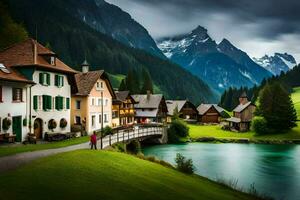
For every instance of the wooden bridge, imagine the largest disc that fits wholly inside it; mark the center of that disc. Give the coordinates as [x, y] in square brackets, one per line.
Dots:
[137, 132]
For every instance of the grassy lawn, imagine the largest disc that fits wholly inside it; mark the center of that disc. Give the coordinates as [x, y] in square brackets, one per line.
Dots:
[296, 100]
[11, 150]
[197, 131]
[102, 175]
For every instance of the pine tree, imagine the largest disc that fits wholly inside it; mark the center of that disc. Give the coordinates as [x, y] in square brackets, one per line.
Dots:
[147, 85]
[123, 86]
[276, 106]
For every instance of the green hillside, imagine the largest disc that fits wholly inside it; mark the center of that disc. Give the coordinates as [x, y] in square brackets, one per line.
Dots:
[106, 175]
[296, 100]
[73, 40]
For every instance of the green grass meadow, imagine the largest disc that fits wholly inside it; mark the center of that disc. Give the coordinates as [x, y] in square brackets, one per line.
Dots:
[104, 175]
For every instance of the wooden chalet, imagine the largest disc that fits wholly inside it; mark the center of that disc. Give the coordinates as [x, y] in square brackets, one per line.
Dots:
[210, 113]
[187, 110]
[242, 115]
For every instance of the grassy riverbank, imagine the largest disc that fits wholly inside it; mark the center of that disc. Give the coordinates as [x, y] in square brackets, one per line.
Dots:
[15, 149]
[197, 131]
[88, 174]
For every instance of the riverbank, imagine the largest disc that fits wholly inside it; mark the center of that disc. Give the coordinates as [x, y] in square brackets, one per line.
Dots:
[214, 133]
[86, 174]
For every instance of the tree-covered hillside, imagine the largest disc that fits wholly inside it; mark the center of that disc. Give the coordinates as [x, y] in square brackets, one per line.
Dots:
[73, 40]
[290, 80]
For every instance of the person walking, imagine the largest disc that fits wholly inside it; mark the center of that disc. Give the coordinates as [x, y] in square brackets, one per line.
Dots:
[94, 140]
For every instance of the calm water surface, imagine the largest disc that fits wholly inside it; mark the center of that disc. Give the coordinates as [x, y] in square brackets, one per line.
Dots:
[274, 169]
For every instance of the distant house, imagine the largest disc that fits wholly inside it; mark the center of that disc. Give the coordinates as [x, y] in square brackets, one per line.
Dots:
[210, 113]
[92, 104]
[150, 108]
[48, 100]
[242, 114]
[187, 110]
[123, 109]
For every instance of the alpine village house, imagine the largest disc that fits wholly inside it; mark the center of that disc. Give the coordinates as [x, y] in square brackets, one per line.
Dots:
[210, 113]
[123, 109]
[47, 99]
[187, 110]
[92, 104]
[242, 115]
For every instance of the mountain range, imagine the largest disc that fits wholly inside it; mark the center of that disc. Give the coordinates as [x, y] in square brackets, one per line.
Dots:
[277, 63]
[221, 65]
[60, 26]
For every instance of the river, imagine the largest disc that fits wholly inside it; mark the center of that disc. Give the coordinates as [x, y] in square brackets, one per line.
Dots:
[274, 169]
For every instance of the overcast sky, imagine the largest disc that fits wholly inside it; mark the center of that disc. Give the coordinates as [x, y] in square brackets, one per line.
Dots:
[257, 27]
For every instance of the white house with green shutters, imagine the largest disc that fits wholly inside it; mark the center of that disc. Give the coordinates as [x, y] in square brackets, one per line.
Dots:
[48, 99]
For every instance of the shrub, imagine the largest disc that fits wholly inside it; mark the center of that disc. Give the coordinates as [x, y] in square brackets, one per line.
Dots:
[260, 126]
[119, 147]
[133, 147]
[107, 131]
[63, 123]
[177, 130]
[184, 165]
[6, 123]
[52, 124]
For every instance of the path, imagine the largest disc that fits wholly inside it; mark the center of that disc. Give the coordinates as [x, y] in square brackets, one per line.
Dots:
[14, 161]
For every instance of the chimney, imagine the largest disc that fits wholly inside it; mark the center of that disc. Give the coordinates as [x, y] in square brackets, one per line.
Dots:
[148, 95]
[243, 98]
[85, 67]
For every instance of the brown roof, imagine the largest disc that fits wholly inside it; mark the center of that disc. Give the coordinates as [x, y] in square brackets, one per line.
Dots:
[86, 81]
[31, 53]
[203, 108]
[123, 95]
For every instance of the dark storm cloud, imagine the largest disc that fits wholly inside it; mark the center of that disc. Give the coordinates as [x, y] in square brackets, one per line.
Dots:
[257, 26]
[278, 16]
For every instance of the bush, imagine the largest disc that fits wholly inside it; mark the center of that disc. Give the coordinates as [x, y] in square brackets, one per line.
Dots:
[6, 123]
[184, 165]
[260, 126]
[119, 147]
[133, 147]
[63, 123]
[107, 131]
[52, 124]
[177, 130]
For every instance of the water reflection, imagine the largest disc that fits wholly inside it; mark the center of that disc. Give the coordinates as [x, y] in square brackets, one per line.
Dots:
[274, 169]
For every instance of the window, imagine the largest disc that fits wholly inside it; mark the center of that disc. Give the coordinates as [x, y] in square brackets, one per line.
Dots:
[37, 102]
[115, 114]
[52, 60]
[93, 120]
[1, 94]
[77, 120]
[44, 79]
[67, 103]
[59, 80]
[100, 119]
[47, 102]
[59, 103]
[93, 102]
[99, 102]
[17, 94]
[106, 102]
[78, 104]
[99, 85]
[105, 118]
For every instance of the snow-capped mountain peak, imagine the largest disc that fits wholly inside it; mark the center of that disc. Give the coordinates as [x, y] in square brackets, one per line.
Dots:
[279, 62]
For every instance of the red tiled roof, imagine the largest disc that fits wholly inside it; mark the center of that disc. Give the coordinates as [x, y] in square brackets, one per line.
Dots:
[27, 54]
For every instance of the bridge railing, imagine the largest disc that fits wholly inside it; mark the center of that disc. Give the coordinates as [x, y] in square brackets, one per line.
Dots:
[124, 135]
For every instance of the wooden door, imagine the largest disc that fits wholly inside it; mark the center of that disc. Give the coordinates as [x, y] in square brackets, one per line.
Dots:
[38, 128]
[17, 128]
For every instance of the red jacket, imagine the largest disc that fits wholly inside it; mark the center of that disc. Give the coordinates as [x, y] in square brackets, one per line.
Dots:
[94, 139]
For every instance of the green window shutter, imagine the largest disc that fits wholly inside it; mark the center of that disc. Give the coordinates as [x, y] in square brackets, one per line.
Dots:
[49, 101]
[56, 80]
[45, 102]
[35, 102]
[41, 75]
[61, 103]
[48, 79]
[62, 81]
[57, 103]
[68, 103]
